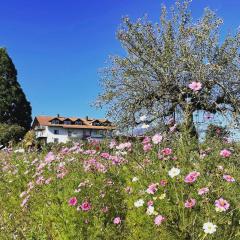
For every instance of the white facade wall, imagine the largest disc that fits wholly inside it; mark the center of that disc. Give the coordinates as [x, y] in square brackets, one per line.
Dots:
[65, 134]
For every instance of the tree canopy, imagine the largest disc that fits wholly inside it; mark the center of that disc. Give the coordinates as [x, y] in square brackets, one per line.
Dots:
[176, 66]
[14, 107]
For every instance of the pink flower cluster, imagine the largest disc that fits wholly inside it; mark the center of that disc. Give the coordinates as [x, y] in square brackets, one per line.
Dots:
[92, 165]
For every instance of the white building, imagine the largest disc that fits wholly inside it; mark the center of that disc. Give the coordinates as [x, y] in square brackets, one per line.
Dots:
[62, 129]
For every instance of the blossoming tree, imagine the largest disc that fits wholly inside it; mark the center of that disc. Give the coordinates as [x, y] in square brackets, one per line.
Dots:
[172, 67]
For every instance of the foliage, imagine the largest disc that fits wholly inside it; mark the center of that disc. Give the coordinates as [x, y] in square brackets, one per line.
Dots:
[14, 107]
[10, 133]
[217, 131]
[172, 68]
[29, 139]
[122, 190]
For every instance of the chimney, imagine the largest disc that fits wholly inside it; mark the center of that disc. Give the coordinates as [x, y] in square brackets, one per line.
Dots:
[87, 118]
[58, 115]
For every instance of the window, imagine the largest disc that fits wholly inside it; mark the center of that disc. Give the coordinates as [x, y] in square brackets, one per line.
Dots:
[78, 122]
[69, 133]
[56, 131]
[101, 132]
[96, 123]
[55, 121]
[67, 122]
[56, 140]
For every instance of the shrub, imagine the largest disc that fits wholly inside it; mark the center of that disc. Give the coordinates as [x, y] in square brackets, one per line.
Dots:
[10, 133]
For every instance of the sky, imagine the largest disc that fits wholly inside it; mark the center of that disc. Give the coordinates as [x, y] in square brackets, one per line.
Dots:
[58, 47]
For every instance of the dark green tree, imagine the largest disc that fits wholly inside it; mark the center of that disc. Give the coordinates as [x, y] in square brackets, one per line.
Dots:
[14, 107]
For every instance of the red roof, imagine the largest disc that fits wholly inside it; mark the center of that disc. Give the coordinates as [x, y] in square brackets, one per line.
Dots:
[87, 122]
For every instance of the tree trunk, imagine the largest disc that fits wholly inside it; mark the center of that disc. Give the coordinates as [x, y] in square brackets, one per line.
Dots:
[188, 123]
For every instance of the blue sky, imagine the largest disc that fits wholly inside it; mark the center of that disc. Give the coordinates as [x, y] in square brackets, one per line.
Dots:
[59, 46]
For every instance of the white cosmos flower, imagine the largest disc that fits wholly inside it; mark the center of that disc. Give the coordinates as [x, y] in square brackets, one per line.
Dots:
[135, 179]
[139, 203]
[20, 150]
[143, 118]
[145, 126]
[174, 172]
[209, 228]
[150, 210]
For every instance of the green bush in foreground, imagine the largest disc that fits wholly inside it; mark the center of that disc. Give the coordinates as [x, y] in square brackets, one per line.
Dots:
[153, 189]
[10, 133]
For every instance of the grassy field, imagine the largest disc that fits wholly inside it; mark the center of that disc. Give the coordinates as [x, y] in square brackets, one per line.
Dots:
[164, 187]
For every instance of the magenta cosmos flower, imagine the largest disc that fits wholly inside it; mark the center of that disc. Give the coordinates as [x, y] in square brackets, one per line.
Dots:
[228, 178]
[159, 219]
[222, 205]
[166, 151]
[72, 201]
[191, 177]
[203, 191]
[225, 153]
[190, 203]
[117, 220]
[195, 86]
[85, 206]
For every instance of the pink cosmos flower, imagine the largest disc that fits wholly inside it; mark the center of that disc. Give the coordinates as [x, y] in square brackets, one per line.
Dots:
[166, 151]
[47, 181]
[191, 177]
[25, 200]
[117, 220]
[85, 206]
[203, 191]
[50, 157]
[65, 150]
[147, 147]
[159, 219]
[146, 140]
[105, 209]
[72, 201]
[190, 203]
[228, 178]
[195, 86]
[225, 153]
[105, 155]
[157, 138]
[152, 188]
[222, 204]
[208, 116]
[112, 144]
[150, 203]
[163, 182]
[40, 180]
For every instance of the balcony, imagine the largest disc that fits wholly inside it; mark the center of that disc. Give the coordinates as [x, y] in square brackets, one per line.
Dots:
[39, 128]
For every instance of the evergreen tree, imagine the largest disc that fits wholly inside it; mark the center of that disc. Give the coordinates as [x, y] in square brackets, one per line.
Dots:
[14, 107]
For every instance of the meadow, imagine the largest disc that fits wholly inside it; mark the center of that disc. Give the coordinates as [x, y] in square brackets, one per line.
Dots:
[158, 187]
